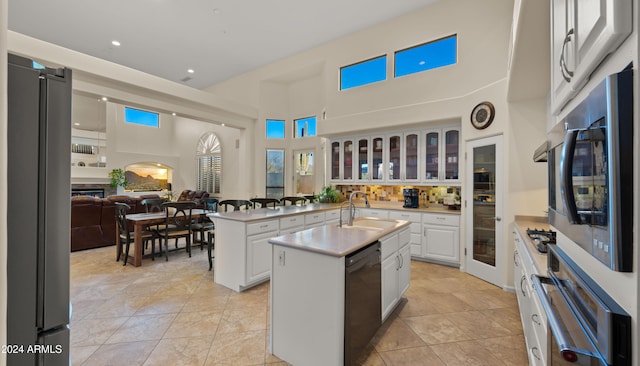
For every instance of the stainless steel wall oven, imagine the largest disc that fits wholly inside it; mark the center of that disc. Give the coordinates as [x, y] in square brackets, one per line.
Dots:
[591, 162]
[586, 326]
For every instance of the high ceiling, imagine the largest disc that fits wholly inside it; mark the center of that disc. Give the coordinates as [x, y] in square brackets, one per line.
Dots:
[217, 39]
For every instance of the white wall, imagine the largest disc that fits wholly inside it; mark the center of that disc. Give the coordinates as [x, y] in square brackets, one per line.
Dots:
[173, 144]
[3, 176]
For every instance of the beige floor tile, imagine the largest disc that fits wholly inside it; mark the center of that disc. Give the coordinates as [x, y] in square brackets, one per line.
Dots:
[395, 334]
[243, 318]
[192, 351]
[118, 306]
[508, 318]
[194, 324]
[142, 328]
[80, 354]
[448, 303]
[435, 329]
[129, 353]
[510, 350]
[411, 356]
[487, 299]
[166, 304]
[206, 301]
[81, 309]
[238, 349]
[465, 354]
[94, 332]
[477, 324]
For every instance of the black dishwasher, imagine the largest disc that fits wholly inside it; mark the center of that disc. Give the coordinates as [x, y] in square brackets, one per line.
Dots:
[362, 308]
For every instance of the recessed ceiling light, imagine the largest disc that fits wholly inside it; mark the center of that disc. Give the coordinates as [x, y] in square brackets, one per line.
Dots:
[104, 99]
[174, 113]
[115, 43]
[191, 71]
[76, 124]
[222, 124]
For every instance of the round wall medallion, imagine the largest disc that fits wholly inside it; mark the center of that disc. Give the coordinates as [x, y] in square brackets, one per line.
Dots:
[482, 115]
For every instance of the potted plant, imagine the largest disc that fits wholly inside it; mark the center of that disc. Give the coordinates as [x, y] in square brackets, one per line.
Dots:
[329, 195]
[118, 178]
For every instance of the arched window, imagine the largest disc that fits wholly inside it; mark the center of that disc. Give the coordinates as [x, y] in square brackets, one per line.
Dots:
[209, 155]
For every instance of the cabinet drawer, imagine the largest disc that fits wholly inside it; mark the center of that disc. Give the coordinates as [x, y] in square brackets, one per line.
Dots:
[388, 245]
[404, 237]
[372, 212]
[408, 216]
[314, 218]
[449, 220]
[332, 215]
[291, 221]
[262, 227]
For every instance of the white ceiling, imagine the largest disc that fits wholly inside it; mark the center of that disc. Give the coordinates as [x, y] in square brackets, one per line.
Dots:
[218, 39]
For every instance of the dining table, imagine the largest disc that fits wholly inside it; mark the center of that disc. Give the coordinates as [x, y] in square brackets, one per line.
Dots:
[140, 221]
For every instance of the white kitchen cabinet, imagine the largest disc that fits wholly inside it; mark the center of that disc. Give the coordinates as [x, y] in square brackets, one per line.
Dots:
[259, 256]
[441, 156]
[363, 159]
[532, 315]
[396, 269]
[291, 224]
[243, 254]
[441, 238]
[416, 229]
[402, 157]
[583, 33]
[372, 212]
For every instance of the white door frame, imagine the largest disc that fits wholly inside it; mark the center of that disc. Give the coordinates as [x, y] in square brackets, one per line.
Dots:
[494, 274]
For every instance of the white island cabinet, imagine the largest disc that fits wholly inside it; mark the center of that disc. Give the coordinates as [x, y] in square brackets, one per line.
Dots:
[308, 287]
[242, 252]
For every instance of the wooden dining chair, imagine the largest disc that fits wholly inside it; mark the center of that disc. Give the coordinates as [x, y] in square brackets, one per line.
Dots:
[178, 221]
[264, 202]
[125, 237]
[236, 204]
[293, 200]
[205, 227]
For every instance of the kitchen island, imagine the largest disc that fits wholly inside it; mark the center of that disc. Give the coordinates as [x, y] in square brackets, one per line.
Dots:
[314, 292]
[242, 253]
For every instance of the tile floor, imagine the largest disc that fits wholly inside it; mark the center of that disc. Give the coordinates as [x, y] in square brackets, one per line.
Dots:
[172, 313]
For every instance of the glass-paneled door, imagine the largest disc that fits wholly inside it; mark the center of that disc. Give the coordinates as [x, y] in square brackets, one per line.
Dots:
[485, 256]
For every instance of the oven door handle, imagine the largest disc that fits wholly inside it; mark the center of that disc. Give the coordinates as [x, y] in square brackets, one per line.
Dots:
[566, 176]
[567, 349]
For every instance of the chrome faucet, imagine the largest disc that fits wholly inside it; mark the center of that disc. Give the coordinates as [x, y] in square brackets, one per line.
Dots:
[352, 207]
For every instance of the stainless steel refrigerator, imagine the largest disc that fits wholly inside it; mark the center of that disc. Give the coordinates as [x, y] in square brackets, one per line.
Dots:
[39, 144]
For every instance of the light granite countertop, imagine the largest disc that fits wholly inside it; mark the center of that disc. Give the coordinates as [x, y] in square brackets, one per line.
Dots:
[521, 224]
[337, 241]
[283, 211]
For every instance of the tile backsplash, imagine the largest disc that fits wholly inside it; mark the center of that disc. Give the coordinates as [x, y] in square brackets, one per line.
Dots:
[428, 194]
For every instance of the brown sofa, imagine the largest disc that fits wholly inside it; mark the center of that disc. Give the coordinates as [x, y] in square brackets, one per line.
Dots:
[93, 222]
[195, 196]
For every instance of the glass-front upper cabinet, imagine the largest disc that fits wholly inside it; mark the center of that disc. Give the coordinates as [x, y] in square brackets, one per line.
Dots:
[394, 153]
[347, 160]
[432, 156]
[451, 154]
[441, 155]
[411, 145]
[363, 160]
[377, 159]
[335, 160]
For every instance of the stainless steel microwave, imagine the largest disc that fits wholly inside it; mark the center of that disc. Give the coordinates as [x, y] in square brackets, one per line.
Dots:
[591, 162]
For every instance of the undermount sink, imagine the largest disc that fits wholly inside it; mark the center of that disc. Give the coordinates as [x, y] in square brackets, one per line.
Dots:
[371, 224]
